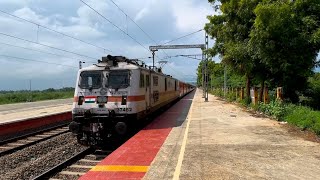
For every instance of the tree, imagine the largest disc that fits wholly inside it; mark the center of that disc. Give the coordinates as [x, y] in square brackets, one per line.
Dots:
[286, 38]
[231, 30]
[217, 75]
[313, 91]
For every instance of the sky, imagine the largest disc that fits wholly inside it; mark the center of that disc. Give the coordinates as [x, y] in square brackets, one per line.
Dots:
[162, 20]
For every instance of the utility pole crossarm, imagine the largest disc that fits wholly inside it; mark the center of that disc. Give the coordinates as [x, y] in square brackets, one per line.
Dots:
[155, 48]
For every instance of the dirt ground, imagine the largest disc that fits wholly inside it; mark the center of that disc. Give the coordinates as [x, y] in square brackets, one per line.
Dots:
[225, 141]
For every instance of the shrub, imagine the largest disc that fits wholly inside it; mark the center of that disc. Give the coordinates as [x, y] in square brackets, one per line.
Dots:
[304, 117]
[275, 109]
[301, 116]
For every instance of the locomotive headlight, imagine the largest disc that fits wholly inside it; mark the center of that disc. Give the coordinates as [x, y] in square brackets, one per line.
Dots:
[124, 100]
[80, 100]
[102, 99]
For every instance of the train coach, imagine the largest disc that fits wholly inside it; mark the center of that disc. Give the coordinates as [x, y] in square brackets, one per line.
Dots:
[116, 93]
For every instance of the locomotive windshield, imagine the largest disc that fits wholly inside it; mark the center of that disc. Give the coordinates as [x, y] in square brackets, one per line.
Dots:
[90, 80]
[118, 79]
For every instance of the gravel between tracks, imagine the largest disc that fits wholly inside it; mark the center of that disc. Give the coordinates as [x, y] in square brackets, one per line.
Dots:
[32, 161]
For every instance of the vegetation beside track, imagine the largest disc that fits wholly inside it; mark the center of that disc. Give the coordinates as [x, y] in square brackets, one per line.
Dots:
[9, 97]
[259, 51]
[301, 116]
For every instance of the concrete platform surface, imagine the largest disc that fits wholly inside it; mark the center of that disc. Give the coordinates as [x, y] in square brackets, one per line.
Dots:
[219, 140]
[132, 159]
[20, 111]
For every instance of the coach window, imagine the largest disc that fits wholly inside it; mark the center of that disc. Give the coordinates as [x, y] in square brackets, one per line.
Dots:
[165, 84]
[141, 80]
[175, 85]
[148, 80]
[155, 80]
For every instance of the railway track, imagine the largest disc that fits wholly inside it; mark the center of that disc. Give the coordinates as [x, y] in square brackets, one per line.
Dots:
[17, 143]
[75, 166]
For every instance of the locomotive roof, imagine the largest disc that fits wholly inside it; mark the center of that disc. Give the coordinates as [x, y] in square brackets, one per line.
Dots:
[103, 65]
[120, 63]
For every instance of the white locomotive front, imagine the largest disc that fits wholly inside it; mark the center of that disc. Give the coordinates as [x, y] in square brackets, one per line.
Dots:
[115, 93]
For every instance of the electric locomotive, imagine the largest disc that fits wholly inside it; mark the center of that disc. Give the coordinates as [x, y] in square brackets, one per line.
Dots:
[115, 93]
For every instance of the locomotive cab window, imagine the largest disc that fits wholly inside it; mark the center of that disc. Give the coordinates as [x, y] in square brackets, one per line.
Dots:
[118, 79]
[90, 80]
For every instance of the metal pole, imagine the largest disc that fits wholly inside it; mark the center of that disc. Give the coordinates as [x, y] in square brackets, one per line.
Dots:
[225, 81]
[30, 90]
[153, 59]
[203, 78]
[206, 68]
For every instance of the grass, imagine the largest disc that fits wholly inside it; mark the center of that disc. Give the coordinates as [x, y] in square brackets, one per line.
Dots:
[303, 117]
[9, 97]
[300, 116]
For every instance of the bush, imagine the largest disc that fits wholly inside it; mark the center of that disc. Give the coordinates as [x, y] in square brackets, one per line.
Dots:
[230, 96]
[301, 116]
[217, 92]
[304, 118]
[275, 109]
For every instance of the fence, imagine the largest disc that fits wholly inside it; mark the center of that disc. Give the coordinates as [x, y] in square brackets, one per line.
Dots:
[238, 94]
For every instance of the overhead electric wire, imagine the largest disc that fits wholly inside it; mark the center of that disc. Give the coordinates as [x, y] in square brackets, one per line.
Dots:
[30, 49]
[8, 35]
[138, 26]
[183, 37]
[134, 23]
[58, 32]
[181, 73]
[192, 58]
[173, 71]
[143, 58]
[115, 25]
[183, 55]
[25, 59]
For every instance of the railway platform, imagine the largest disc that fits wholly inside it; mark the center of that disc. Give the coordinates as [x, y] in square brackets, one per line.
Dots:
[21, 111]
[28, 116]
[211, 140]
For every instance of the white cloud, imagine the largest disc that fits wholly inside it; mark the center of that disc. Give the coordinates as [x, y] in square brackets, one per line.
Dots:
[88, 17]
[189, 15]
[162, 19]
[142, 13]
[28, 14]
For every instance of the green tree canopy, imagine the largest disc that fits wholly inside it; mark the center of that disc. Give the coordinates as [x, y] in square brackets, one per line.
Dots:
[268, 40]
[231, 30]
[285, 39]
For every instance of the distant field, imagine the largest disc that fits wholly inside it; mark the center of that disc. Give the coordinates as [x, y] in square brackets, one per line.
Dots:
[9, 97]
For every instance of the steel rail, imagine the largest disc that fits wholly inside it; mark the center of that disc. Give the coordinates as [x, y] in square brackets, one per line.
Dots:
[61, 166]
[14, 149]
[42, 130]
